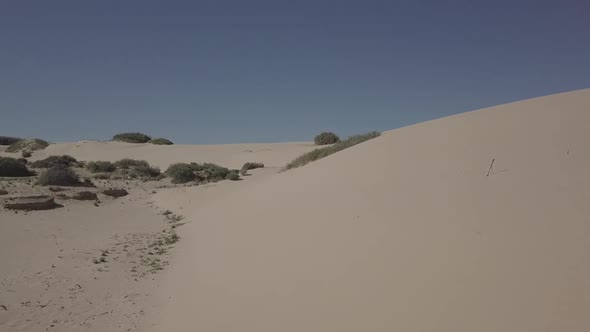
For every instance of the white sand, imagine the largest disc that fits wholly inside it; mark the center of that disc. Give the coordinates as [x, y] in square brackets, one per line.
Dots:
[405, 232]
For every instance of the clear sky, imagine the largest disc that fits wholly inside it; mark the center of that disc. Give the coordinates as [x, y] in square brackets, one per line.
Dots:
[269, 71]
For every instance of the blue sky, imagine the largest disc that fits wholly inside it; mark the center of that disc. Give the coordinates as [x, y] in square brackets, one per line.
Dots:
[270, 71]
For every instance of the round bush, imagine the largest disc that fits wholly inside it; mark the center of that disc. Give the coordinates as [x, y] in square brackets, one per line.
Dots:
[233, 176]
[181, 173]
[326, 138]
[58, 176]
[4, 140]
[10, 167]
[161, 141]
[132, 138]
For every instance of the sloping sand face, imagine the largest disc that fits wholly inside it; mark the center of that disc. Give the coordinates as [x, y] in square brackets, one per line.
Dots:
[414, 231]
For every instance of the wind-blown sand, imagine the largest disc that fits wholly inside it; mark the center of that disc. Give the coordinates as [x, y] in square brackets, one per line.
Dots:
[411, 231]
[403, 233]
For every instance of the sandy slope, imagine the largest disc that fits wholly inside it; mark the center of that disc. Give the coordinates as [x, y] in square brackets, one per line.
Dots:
[402, 233]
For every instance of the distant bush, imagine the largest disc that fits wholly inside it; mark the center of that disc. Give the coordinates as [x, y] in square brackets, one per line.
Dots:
[181, 173]
[326, 138]
[51, 161]
[324, 152]
[132, 138]
[202, 173]
[131, 168]
[232, 176]
[27, 144]
[100, 167]
[4, 140]
[58, 175]
[249, 166]
[10, 167]
[161, 141]
[26, 154]
[102, 176]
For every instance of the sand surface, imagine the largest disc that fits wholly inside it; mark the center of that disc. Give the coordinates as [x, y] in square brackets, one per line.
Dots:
[474, 222]
[406, 232]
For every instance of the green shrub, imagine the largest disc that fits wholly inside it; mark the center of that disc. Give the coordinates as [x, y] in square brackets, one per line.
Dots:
[249, 166]
[233, 176]
[26, 154]
[100, 167]
[58, 175]
[212, 173]
[27, 144]
[51, 161]
[326, 138]
[10, 167]
[102, 176]
[181, 173]
[132, 138]
[161, 141]
[131, 168]
[324, 152]
[4, 140]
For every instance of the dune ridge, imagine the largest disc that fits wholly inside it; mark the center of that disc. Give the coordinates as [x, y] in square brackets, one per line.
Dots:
[411, 231]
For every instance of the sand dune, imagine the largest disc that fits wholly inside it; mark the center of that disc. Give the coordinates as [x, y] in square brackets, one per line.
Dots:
[406, 232]
[228, 155]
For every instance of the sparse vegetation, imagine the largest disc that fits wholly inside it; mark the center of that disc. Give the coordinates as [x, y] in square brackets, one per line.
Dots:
[51, 161]
[161, 141]
[202, 173]
[326, 151]
[132, 138]
[100, 167]
[232, 176]
[181, 173]
[11, 167]
[134, 169]
[58, 175]
[5, 140]
[326, 138]
[26, 154]
[249, 166]
[27, 144]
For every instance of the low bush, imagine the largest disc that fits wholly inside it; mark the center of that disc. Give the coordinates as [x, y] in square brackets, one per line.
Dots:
[233, 176]
[27, 144]
[59, 175]
[4, 140]
[181, 173]
[132, 138]
[51, 161]
[324, 152]
[326, 138]
[11, 167]
[249, 166]
[133, 169]
[26, 154]
[161, 141]
[100, 167]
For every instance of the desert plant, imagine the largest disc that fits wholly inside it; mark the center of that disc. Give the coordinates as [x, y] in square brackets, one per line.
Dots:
[249, 166]
[232, 176]
[102, 176]
[26, 154]
[51, 161]
[27, 144]
[181, 173]
[132, 138]
[132, 168]
[4, 140]
[212, 173]
[324, 152]
[326, 138]
[11, 167]
[100, 167]
[160, 141]
[58, 175]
